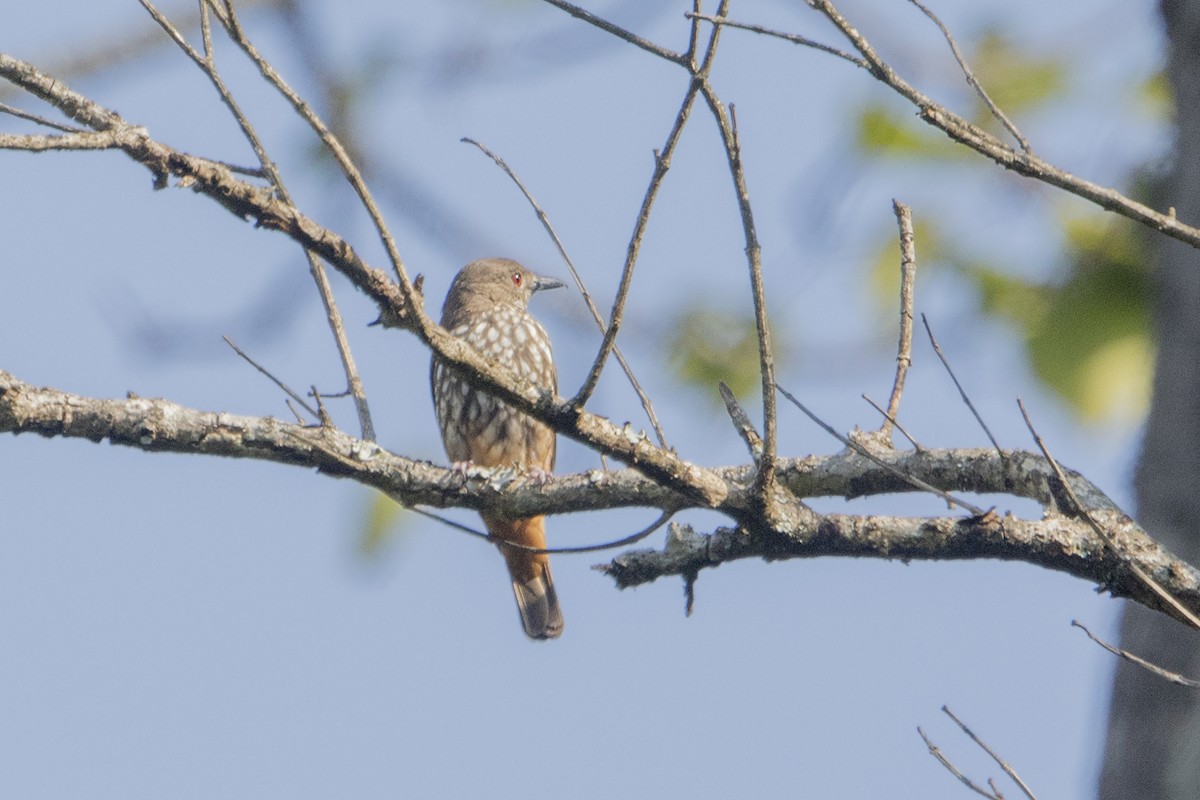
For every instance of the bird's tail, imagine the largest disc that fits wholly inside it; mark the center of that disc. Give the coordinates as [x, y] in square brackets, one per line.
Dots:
[532, 585]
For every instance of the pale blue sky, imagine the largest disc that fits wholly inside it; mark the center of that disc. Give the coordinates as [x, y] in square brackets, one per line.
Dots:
[188, 627]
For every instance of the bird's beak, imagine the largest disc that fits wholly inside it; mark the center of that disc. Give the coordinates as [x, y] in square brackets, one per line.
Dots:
[540, 283]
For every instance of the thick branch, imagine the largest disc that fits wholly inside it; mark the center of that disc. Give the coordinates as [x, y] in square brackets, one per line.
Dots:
[1055, 542]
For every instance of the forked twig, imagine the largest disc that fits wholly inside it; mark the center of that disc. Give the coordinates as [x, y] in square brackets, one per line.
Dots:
[937, 753]
[961, 391]
[1004, 765]
[1183, 613]
[587, 297]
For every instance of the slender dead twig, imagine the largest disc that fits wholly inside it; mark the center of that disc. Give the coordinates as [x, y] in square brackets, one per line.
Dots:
[937, 753]
[619, 32]
[741, 421]
[662, 162]
[207, 64]
[803, 41]
[1165, 674]
[587, 297]
[908, 274]
[287, 389]
[961, 391]
[5, 108]
[662, 519]
[1181, 613]
[971, 79]
[727, 126]
[1004, 765]
[895, 422]
[865, 453]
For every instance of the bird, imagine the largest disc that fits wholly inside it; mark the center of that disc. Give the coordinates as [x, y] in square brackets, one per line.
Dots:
[488, 307]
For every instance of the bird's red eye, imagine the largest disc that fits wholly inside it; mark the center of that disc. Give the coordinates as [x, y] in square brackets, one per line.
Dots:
[517, 279]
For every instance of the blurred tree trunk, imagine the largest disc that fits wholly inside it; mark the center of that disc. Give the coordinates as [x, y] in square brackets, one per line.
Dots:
[1153, 750]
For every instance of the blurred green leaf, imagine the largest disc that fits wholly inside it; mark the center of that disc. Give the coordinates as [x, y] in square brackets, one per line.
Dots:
[1154, 96]
[379, 524]
[1093, 344]
[1088, 338]
[1016, 81]
[884, 132]
[710, 344]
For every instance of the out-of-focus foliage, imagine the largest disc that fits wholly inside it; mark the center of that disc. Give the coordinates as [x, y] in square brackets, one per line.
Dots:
[882, 130]
[709, 344]
[1015, 81]
[379, 525]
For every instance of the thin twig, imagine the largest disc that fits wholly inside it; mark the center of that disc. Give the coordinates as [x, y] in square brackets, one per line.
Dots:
[662, 162]
[895, 422]
[741, 421]
[1184, 614]
[864, 452]
[936, 752]
[287, 389]
[962, 392]
[1004, 765]
[207, 64]
[908, 274]
[587, 297]
[592, 548]
[727, 126]
[619, 32]
[5, 108]
[970, 76]
[1165, 674]
[803, 41]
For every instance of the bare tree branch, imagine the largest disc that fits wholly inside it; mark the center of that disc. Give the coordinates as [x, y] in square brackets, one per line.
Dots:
[982, 142]
[333, 317]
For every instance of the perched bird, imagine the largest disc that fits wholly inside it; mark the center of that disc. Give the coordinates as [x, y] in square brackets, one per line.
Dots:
[487, 306]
